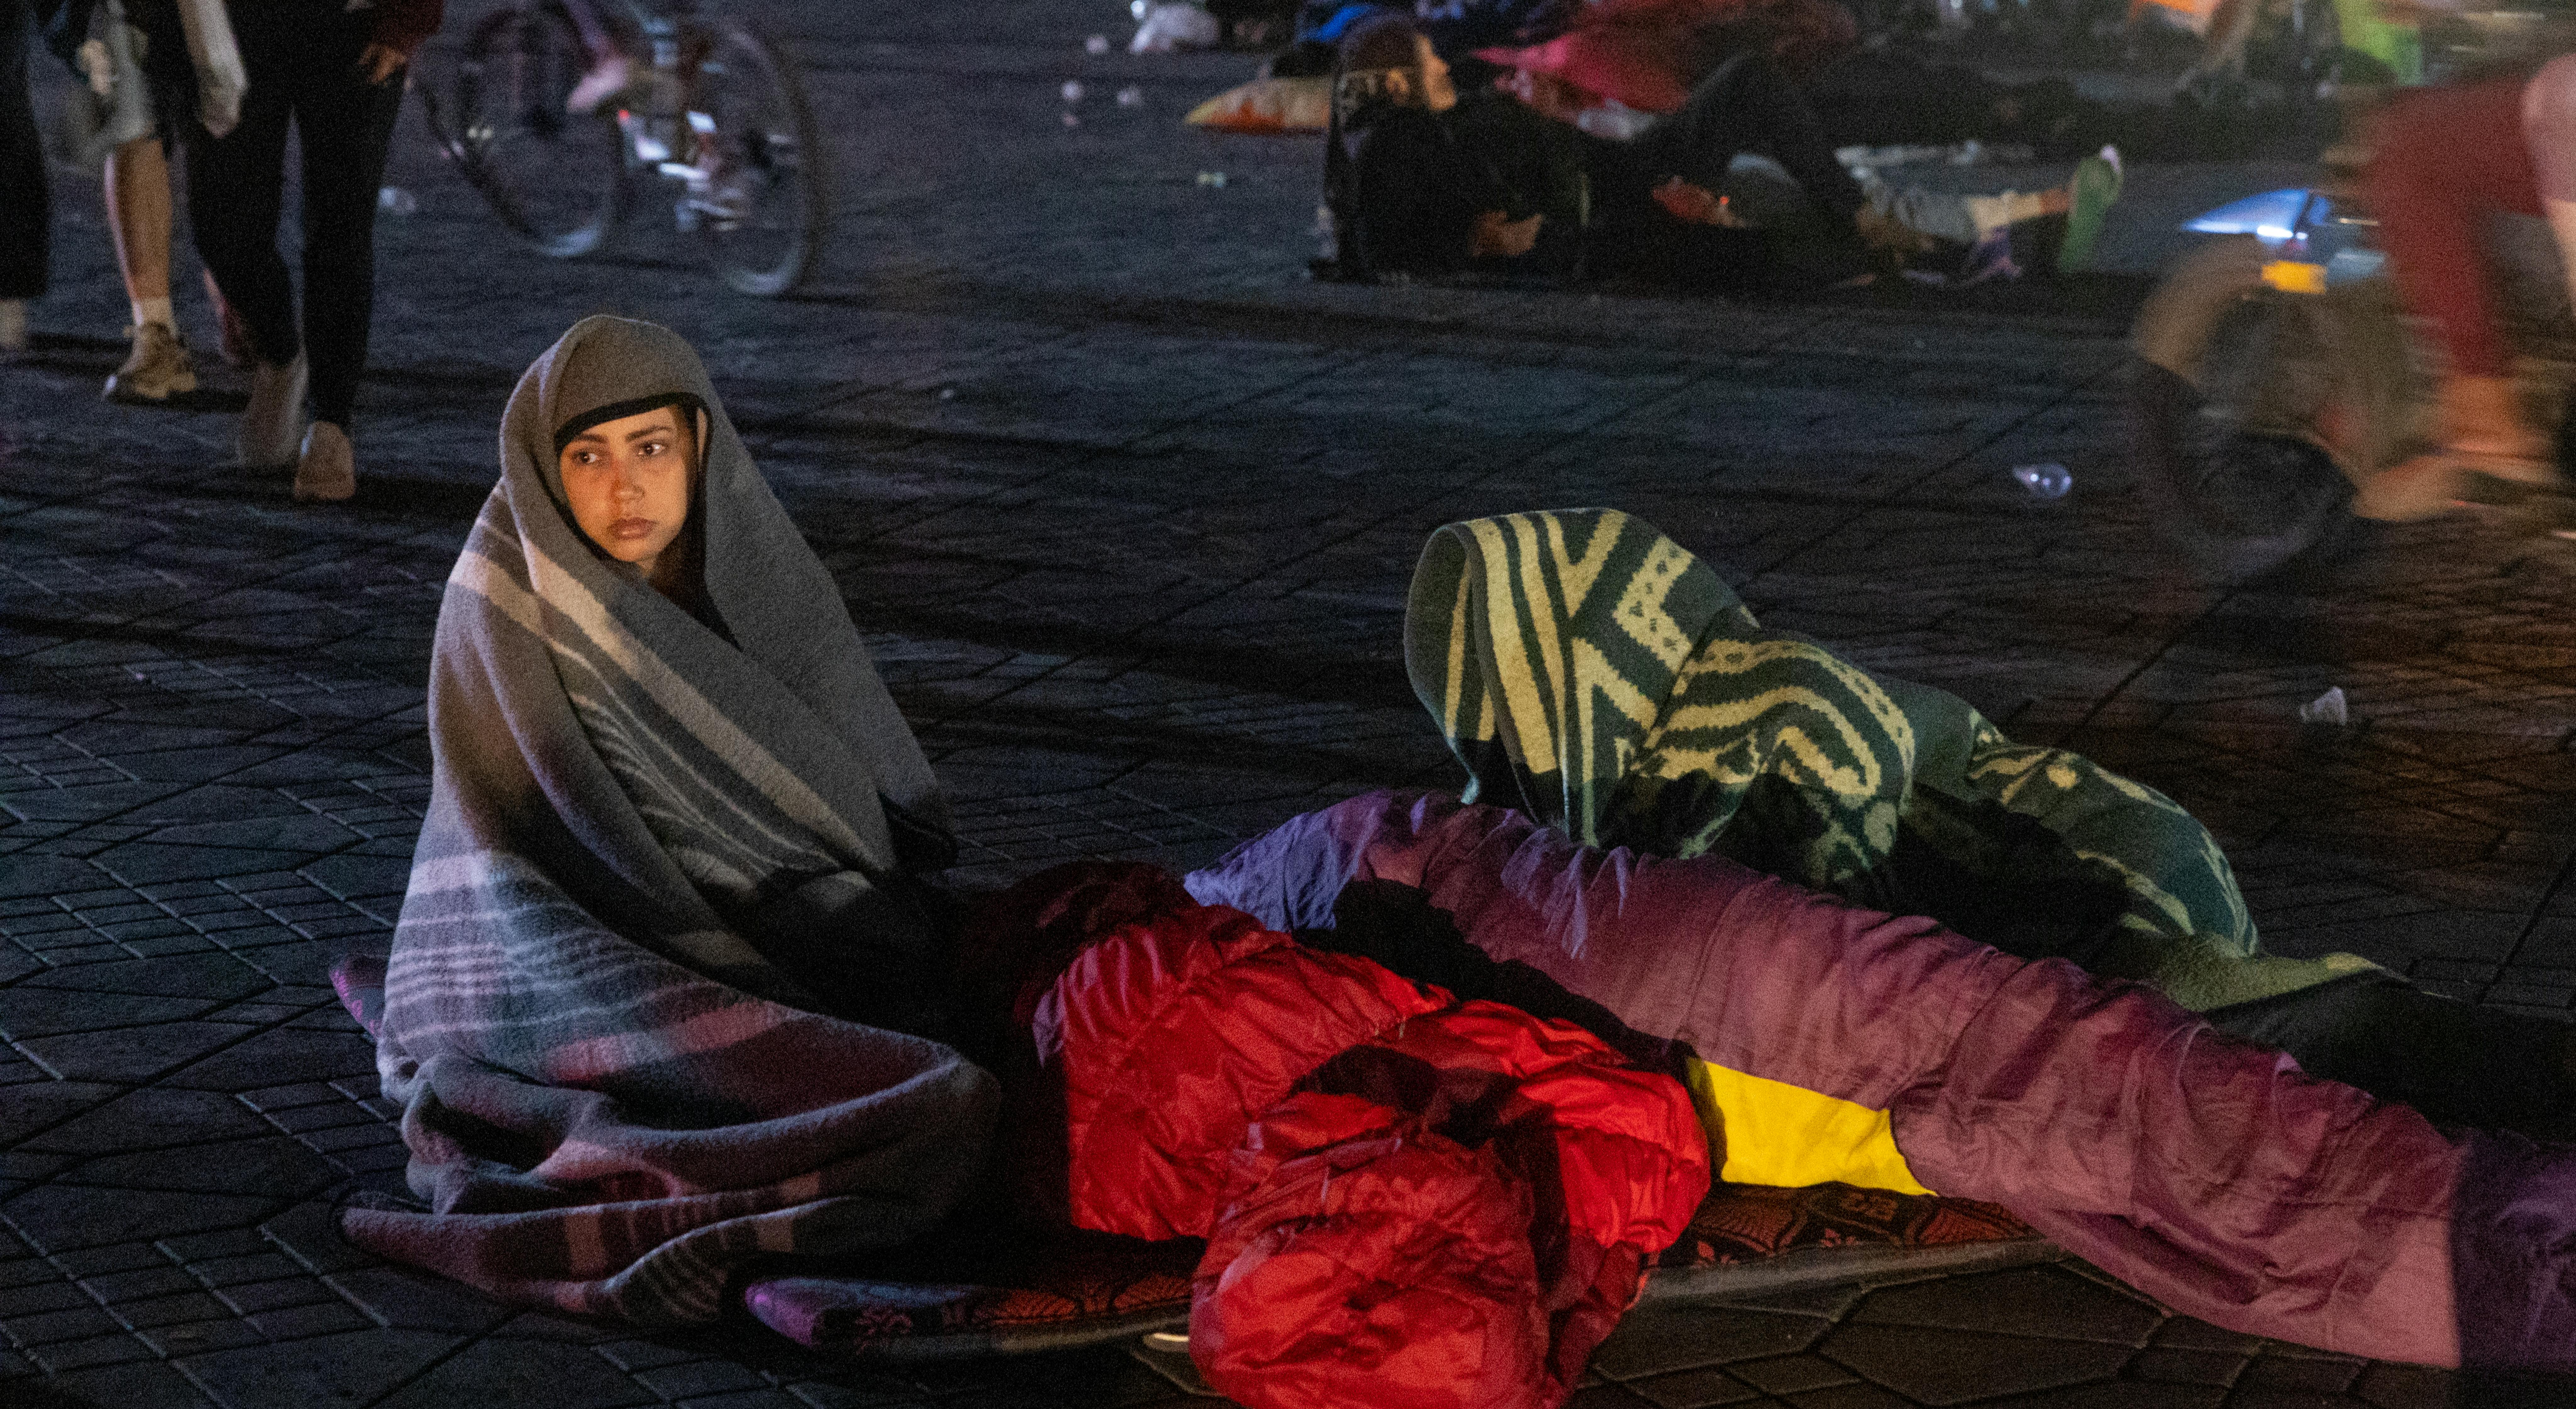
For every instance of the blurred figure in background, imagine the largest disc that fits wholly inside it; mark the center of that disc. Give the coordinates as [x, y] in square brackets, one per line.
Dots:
[144, 64]
[26, 214]
[335, 73]
[2444, 161]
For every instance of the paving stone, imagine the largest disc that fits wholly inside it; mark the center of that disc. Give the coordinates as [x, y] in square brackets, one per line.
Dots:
[32, 1107]
[296, 1322]
[46, 876]
[110, 1257]
[222, 1332]
[1789, 1374]
[2392, 1386]
[259, 1061]
[205, 977]
[147, 1385]
[1953, 1368]
[116, 1348]
[2279, 1372]
[2041, 1301]
[2120, 1394]
[58, 1217]
[131, 1055]
[119, 1288]
[700, 1377]
[37, 1298]
[30, 1012]
[2190, 1367]
[1851, 1396]
[155, 1117]
[412, 1300]
[1653, 1340]
[355, 1366]
[522, 1371]
[1693, 1388]
[184, 1309]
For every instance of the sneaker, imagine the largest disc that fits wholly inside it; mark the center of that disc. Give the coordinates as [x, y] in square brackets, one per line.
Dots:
[156, 370]
[273, 424]
[328, 471]
[2096, 185]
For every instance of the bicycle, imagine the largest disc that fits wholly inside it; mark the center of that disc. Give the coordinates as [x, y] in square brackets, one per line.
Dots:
[711, 106]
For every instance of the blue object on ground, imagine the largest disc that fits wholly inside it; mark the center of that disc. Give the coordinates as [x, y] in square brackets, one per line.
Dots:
[2272, 217]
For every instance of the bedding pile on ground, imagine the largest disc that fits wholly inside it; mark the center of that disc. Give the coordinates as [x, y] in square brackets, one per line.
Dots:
[1406, 1199]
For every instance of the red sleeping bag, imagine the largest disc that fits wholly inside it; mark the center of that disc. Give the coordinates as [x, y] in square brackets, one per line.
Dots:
[1408, 1200]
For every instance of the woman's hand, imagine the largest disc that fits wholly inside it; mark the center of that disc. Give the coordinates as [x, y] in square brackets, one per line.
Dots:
[378, 63]
[1497, 238]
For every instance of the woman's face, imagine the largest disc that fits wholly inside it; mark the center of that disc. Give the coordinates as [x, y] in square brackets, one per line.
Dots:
[629, 481]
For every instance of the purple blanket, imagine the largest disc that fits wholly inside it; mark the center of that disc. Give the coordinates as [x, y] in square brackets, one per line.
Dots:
[2207, 1172]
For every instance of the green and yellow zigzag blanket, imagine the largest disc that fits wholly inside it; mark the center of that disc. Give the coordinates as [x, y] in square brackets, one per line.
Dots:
[1589, 671]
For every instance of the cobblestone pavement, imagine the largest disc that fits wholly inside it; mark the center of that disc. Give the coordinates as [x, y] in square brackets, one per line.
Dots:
[1128, 509]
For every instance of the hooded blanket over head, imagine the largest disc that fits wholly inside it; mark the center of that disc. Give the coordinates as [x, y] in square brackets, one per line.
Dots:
[656, 996]
[1594, 674]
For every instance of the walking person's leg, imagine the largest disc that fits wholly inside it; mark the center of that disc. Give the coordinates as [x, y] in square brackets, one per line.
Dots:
[236, 186]
[26, 217]
[343, 126]
[2444, 160]
[138, 215]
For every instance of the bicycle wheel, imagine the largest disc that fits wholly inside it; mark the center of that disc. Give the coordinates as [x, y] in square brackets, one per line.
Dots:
[2225, 482]
[762, 196]
[556, 179]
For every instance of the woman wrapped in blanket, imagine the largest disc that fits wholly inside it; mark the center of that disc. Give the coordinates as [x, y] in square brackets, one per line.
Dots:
[1655, 751]
[665, 991]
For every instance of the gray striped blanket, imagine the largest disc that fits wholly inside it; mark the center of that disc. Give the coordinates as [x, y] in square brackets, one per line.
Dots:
[658, 996]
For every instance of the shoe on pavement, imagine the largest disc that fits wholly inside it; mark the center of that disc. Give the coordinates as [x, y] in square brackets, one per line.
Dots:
[2096, 185]
[156, 370]
[328, 471]
[273, 424]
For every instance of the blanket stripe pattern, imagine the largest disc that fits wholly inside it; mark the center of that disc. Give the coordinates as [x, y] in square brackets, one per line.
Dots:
[1593, 673]
[649, 844]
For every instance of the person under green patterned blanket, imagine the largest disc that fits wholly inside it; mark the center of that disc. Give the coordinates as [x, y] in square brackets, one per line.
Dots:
[1591, 672]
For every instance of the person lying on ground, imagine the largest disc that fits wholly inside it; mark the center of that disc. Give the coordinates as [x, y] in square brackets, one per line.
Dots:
[668, 984]
[1826, 1041]
[2445, 161]
[1442, 181]
[1635, 702]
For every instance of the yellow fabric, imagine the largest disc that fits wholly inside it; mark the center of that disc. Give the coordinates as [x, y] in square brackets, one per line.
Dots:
[1770, 1132]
